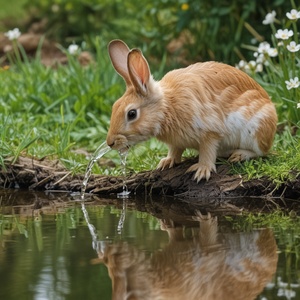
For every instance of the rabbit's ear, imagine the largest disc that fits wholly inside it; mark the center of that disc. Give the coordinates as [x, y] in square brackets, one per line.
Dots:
[139, 71]
[118, 52]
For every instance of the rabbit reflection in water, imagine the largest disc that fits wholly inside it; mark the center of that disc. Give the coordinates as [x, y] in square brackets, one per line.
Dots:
[207, 265]
[211, 107]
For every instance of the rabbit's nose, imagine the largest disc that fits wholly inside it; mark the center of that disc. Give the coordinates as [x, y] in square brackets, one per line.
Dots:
[110, 140]
[110, 143]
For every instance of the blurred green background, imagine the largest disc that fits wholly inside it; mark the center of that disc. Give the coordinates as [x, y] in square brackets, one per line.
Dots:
[190, 30]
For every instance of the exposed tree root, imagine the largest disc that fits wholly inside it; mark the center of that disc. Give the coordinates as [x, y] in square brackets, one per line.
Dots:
[50, 175]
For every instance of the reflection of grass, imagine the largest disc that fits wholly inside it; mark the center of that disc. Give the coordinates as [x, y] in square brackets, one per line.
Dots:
[68, 218]
[11, 223]
[275, 220]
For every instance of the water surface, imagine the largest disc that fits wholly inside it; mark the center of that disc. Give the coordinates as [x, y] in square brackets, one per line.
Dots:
[52, 248]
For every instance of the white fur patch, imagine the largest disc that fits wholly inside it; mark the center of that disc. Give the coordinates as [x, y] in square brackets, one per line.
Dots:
[241, 132]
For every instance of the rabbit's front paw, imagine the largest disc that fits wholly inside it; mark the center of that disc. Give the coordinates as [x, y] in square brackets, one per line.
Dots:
[165, 163]
[202, 171]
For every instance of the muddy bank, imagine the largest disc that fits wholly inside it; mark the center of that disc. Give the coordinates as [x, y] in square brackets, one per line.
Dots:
[27, 173]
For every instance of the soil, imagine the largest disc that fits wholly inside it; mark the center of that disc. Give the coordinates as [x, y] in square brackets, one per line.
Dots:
[232, 192]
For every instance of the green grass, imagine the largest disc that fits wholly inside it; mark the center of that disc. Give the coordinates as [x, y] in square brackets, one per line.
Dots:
[57, 108]
[283, 163]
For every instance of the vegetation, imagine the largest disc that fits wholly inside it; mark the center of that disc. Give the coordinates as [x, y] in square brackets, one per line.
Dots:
[54, 112]
[63, 112]
[194, 30]
[275, 65]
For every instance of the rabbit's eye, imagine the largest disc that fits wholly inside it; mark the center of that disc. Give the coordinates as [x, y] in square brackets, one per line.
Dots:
[132, 114]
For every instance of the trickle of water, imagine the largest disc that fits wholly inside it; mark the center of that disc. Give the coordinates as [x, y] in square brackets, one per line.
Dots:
[100, 151]
[122, 216]
[91, 227]
[97, 245]
[123, 156]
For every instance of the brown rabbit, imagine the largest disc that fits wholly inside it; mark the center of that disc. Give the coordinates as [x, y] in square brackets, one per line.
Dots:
[211, 107]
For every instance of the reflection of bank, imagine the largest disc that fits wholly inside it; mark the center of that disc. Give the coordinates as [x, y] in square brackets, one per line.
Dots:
[198, 263]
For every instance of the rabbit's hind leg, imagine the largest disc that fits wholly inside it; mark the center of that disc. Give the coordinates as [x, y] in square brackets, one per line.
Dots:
[241, 155]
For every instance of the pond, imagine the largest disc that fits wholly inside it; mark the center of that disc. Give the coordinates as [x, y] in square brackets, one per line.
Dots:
[52, 247]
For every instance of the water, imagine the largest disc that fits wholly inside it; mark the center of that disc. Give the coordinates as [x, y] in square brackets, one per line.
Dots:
[123, 155]
[69, 250]
[101, 151]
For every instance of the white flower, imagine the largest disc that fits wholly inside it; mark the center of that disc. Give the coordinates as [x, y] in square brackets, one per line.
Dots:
[241, 64]
[269, 18]
[283, 34]
[259, 68]
[253, 66]
[263, 47]
[73, 49]
[13, 34]
[260, 58]
[272, 52]
[298, 105]
[286, 293]
[293, 15]
[293, 83]
[293, 47]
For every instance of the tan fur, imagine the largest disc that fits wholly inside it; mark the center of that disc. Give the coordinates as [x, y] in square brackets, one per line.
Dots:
[211, 107]
[209, 265]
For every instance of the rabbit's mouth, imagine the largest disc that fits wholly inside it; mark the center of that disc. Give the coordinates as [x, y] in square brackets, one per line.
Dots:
[118, 142]
[124, 149]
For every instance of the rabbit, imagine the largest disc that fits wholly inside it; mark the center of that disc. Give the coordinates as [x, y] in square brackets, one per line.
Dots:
[210, 106]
